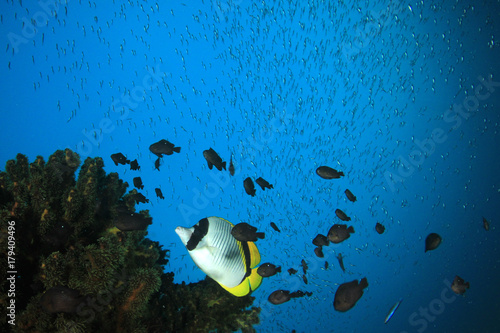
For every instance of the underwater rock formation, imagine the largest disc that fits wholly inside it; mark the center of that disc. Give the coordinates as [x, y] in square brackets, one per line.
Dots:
[77, 272]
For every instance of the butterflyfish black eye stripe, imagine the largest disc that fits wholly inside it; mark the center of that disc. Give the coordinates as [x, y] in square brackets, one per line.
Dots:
[200, 230]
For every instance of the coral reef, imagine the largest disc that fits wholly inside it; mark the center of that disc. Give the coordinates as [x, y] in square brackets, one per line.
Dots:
[83, 262]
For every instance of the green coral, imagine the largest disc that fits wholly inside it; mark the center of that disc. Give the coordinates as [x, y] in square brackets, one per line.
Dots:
[66, 238]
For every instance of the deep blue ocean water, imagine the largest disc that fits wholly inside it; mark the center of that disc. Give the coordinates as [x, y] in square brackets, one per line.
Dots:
[403, 97]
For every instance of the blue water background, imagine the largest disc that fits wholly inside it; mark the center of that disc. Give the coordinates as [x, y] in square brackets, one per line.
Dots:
[284, 87]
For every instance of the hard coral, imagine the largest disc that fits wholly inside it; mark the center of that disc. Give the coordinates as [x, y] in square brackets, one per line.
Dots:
[77, 273]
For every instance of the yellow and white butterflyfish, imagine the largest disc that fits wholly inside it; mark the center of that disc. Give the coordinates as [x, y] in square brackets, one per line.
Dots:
[218, 254]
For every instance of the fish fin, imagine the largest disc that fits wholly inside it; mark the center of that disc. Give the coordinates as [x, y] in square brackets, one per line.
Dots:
[254, 254]
[240, 290]
[350, 229]
[248, 285]
[364, 283]
[177, 149]
[254, 279]
[210, 165]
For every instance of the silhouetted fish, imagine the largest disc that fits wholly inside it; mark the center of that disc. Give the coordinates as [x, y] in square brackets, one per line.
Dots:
[486, 224]
[159, 194]
[350, 196]
[282, 296]
[341, 261]
[432, 242]
[275, 227]
[231, 167]
[341, 215]
[244, 232]
[164, 147]
[348, 294]
[138, 183]
[249, 186]
[380, 228]
[459, 286]
[263, 183]
[119, 158]
[339, 233]
[268, 269]
[134, 165]
[328, 173]
[130, 221]
[214, 159]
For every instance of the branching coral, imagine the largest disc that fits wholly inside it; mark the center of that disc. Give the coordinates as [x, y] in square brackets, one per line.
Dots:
[78, 272]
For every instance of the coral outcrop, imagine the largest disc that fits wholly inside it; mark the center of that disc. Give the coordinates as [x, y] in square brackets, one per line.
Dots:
[82, 262]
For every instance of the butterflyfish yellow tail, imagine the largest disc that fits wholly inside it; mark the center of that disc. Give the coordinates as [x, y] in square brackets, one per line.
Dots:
[254, 254]
[248, 285]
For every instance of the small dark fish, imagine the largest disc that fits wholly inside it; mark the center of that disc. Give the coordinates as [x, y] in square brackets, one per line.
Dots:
[244, 232]
[459, 286]
[341, 261]
[214, 159]
[61, 299]
[138, 183]
[268, 269]
[328, 173]
[159, 194]
[263, 183]
[119, 158]
[348, 294]
[164, 147]
[304, 278]
[231, 167]
[341, 215]
[432, 242]
[318, 251]
[283, 296]
[339, 233]
[130, 221]
[380, 228]
[279, 297]
[350, 196]
[134, 165]
[292, 271]
[486, 224]
[157, 164]
[304, 266]
[139, 198]
[275, 227]
[249, 187]
[321, 240]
